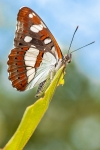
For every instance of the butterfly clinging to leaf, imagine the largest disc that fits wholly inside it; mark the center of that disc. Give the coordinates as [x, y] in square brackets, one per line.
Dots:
[36, 55]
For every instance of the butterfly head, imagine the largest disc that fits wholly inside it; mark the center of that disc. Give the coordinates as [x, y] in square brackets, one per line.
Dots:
[67, 58]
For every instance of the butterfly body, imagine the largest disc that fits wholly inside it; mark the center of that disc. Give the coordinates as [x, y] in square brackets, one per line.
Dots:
[36, 55]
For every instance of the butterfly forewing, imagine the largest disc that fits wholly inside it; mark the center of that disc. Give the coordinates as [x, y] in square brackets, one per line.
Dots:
[33, 43]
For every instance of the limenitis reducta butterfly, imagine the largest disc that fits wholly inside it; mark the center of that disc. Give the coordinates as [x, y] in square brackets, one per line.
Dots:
[36, 54]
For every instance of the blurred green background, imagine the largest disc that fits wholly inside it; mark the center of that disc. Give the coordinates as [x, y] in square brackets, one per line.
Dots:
[72, 121]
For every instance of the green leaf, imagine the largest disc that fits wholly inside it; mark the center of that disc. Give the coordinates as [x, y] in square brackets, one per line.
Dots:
[32, 116]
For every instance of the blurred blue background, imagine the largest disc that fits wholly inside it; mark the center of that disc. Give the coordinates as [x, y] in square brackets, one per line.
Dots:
[72, 121]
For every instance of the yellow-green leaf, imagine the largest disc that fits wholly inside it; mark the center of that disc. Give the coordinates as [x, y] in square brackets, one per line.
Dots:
[33, 115]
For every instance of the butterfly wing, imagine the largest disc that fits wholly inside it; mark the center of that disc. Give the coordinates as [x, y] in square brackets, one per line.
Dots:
[35, 52]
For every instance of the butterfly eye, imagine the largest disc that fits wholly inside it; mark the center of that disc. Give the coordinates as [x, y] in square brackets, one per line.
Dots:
[69, 61]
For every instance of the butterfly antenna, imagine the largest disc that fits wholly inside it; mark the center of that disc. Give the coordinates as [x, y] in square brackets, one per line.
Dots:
[72, 39]
[83, 46]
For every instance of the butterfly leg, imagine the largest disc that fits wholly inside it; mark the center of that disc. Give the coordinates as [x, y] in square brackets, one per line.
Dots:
[52, 74]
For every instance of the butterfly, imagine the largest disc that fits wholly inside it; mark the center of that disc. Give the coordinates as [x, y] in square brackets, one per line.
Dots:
[36, 55]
